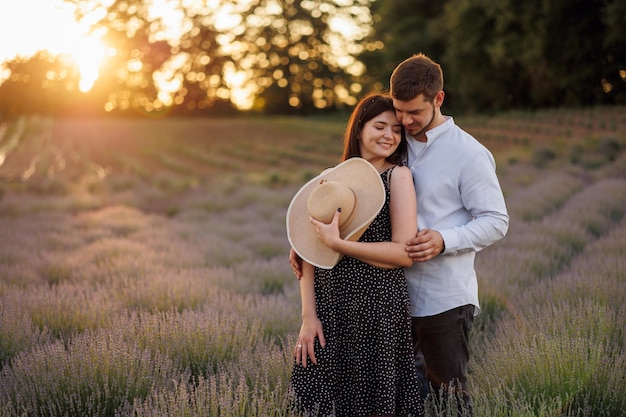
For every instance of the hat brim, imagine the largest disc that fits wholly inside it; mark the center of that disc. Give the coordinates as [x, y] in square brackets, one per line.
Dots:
[359, 175]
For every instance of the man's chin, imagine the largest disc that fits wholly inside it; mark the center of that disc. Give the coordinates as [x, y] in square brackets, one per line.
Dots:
[414, 132]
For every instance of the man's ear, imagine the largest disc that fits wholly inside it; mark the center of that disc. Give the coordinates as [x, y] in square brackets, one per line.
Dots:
[439, 98]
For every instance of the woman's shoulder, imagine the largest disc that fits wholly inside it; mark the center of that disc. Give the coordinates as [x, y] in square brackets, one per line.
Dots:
[398, 174]
[400, 170]
[395, 168]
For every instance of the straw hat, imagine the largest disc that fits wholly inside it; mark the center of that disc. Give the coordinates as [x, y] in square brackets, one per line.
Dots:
[355, 186]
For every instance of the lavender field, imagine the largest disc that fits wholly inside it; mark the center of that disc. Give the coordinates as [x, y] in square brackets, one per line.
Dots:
[144, 271]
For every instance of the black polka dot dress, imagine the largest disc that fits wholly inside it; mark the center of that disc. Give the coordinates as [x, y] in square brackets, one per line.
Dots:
[367, 367]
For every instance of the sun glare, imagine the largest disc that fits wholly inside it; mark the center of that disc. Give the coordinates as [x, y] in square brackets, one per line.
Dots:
[171, 17]
[88, 54]
[37, 25]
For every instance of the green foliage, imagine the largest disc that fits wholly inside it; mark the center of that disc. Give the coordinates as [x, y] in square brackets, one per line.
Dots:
[403, 32]
[502, 55]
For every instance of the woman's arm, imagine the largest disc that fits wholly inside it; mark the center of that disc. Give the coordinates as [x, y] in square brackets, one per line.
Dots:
[403, 211]
[311, 324]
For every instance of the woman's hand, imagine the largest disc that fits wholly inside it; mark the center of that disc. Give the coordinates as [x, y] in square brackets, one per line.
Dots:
[328, 233]
[310, 329]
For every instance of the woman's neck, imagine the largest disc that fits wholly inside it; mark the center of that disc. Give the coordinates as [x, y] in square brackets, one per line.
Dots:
[381, 164]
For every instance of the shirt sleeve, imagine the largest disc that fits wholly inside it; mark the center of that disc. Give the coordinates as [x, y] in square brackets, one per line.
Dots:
[482, 197]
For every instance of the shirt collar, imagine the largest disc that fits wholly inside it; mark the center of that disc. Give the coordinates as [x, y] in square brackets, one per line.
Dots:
[416, 147]
[433, 134]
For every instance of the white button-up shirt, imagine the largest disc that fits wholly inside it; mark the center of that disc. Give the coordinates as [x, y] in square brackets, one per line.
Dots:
[458, 194]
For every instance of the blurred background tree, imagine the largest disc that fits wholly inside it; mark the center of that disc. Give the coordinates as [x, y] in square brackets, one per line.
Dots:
[401, 29]
[510, 54]
[294, 60]
[305, 57]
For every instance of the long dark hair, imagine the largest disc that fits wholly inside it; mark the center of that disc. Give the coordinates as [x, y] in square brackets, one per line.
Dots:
[366, 109]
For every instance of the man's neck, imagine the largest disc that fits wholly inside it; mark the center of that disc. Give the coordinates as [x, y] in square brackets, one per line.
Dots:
[437, 121]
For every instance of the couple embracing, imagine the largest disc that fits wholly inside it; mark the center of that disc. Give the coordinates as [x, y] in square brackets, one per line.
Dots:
[384, 247]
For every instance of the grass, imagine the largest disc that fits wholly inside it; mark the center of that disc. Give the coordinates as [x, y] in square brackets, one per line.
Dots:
[143, 265]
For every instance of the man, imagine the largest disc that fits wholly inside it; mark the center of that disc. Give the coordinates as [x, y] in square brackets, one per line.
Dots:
[460, 211]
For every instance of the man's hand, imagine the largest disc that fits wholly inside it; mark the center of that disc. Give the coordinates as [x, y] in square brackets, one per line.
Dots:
[425, 246]
[296, 263]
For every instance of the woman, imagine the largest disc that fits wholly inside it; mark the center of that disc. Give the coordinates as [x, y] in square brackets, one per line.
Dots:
[353, 355]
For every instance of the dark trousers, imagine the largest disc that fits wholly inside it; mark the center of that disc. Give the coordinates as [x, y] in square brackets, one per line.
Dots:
[441, 347]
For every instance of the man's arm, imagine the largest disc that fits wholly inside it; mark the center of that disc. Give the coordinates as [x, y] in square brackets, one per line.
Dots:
[482, 197]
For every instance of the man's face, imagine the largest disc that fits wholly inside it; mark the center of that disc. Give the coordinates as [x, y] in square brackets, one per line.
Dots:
[416, 115]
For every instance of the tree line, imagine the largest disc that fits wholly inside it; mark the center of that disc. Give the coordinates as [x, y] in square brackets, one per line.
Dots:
[496, 55]
[512, 54]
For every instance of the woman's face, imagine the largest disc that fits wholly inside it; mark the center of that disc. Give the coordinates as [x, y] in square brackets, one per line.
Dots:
[380, 136]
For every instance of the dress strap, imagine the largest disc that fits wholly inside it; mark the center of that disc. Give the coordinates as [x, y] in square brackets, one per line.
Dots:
[388, 176]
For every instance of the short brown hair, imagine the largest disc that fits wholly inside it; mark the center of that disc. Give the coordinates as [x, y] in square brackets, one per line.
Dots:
[414, 76]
